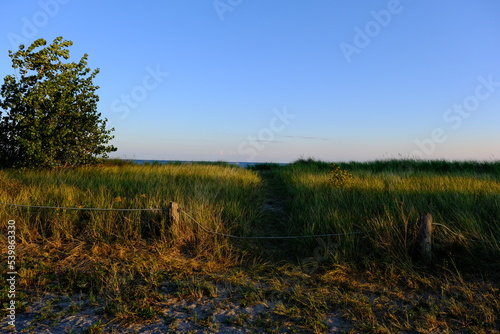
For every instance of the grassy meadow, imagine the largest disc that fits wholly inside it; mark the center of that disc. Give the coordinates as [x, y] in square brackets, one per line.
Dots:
[223, 198]
[371, 276]
[384, 200]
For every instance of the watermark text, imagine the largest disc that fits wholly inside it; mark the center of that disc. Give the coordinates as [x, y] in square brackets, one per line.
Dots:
[251, 147]
[139, 93]
[32, 25]
[455, 115]
[223, 6]
[11, 272]
[364, 36]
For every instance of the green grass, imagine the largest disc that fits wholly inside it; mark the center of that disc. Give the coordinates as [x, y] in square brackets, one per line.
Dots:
[222, 198]
[385, 204]
[123, 260]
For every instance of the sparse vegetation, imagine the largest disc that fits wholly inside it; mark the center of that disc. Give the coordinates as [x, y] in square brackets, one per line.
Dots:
[129, 265]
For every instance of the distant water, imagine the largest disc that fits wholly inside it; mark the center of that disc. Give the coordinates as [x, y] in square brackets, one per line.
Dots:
[241, 164]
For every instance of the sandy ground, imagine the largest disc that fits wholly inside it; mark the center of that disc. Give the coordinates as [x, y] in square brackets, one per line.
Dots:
[52, 314]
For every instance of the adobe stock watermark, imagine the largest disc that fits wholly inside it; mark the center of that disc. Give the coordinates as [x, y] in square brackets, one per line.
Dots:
[455, 115]
[11, 273]
[33, 24]
[139, 93]
[223, 6]
[254, 144]
[364, 36]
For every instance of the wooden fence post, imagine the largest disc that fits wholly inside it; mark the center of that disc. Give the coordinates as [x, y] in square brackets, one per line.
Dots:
[425, 237]
[173, 213]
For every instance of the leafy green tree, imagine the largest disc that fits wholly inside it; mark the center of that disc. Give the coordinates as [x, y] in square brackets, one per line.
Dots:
[48, 110]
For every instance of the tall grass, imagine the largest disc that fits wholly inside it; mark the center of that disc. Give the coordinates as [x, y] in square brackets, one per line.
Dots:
[384, 201]
[122, 261]
[221, 198]
[376, 210]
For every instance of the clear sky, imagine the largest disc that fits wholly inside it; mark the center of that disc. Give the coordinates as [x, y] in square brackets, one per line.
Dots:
[275, 80]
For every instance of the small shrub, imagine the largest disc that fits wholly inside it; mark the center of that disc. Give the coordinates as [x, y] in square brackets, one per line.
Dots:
[339, 177]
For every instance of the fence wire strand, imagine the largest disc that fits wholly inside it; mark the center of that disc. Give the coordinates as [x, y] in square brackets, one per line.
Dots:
[75, 208]
[277, 237]
[493, 241]
[203, 228]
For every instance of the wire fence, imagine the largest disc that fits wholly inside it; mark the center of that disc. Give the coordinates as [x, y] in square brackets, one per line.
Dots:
[270, 237]
[76, 208]
[203, 228]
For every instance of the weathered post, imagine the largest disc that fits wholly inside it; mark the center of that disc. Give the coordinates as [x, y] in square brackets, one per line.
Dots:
[425, 237]
[173, 220]
[173, 213]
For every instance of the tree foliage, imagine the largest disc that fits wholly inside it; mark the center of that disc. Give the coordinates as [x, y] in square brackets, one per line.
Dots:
[48, 110]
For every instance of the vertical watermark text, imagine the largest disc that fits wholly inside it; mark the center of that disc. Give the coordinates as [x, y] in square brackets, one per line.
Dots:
[11, 273]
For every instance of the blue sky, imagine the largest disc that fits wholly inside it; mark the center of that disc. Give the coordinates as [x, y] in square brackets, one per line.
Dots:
[264, 80]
